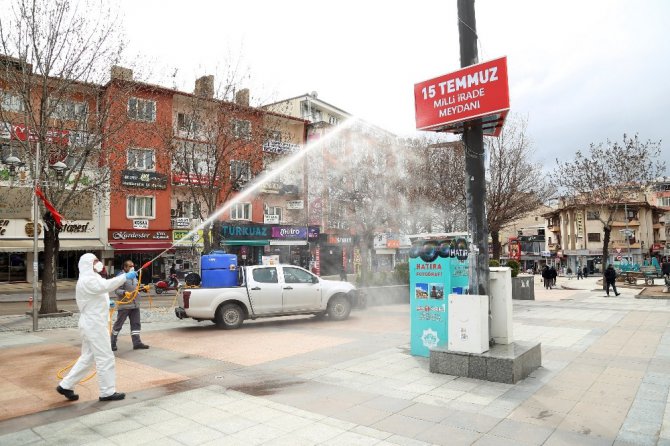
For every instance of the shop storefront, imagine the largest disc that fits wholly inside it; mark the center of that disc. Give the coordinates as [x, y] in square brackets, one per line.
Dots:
[250, 242]
[17, 243]
[336, 251]
[187, 250]
[142, 246]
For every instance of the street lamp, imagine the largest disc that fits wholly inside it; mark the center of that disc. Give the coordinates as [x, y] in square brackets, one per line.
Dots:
[60, 168]
[12, 162]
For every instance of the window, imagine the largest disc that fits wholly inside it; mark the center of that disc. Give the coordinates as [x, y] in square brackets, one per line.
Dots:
[265, 275]
[140, 159]
[140, 207]
[240, 171]
[69, 110]
[241, 129]
[240, 211]
[632, 214]
[664, 201]
[188, 209]
[333, 120]
[273, 210]
[12, 102]
[141, 110]
[594, 236]
[297, 275]
[592, 215]
[273, 135]
[186, 123]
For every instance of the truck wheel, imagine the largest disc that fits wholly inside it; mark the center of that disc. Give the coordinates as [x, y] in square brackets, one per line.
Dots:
[229, 316]
[339, 308]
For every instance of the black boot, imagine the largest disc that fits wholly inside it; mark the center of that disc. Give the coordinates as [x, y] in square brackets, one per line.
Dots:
[114, 342]
[67, 393]
[138, 344]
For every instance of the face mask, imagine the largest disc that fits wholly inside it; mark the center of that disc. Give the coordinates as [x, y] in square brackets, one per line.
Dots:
[98, 267]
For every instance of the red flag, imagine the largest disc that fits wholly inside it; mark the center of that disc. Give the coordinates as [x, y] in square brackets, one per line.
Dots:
[54, 213]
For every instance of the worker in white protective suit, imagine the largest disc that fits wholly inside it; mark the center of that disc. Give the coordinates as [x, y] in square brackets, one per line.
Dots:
[92, 294]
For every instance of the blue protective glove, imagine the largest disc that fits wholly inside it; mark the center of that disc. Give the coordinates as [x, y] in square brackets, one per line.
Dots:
[130, 275]
[112, 303]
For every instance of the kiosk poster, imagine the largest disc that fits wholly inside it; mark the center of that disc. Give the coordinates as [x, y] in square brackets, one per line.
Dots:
[435, 271]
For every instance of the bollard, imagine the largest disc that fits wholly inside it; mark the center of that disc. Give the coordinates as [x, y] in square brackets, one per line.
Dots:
[30, 302]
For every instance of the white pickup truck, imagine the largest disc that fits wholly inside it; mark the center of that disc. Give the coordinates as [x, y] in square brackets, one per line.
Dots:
[269, 291]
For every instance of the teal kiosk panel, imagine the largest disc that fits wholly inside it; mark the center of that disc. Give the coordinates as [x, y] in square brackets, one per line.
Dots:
[436, 269]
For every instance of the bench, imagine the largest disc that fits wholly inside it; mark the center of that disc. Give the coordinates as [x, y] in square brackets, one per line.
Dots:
[650, 273]
[630, 277]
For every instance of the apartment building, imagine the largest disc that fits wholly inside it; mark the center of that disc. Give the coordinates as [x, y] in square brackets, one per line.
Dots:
[575, 232]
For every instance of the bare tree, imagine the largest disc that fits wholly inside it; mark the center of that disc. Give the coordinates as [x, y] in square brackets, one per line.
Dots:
[53, 105]
[515, 186]
[608, 176]
[360, 185]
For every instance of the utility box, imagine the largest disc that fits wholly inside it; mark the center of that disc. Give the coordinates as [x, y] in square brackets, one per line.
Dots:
[500, 288]
[468, 323]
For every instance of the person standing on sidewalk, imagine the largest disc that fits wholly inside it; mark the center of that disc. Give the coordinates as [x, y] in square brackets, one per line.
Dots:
[610, 279]
[579, 272]
[130, 310]
[92, 298]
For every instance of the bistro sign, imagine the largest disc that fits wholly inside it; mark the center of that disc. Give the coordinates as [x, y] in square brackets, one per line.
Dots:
[144, 180]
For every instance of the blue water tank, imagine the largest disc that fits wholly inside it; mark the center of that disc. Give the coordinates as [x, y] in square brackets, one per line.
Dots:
[218, 270]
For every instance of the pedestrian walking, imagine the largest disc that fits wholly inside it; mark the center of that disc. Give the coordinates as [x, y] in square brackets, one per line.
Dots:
[586, 272]
[610, 279]
[92, 295]
[129, 310]
[552, 275]
[579, 273]
[546, 277]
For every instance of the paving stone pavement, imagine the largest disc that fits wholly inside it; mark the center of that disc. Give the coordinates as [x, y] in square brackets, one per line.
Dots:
[605, 379]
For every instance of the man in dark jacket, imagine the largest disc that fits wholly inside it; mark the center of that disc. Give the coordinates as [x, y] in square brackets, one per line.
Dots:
[546, 277]
[610, 279]
[130, 310]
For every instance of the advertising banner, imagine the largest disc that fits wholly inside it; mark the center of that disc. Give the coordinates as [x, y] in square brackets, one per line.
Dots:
[436, 269]
[472, 92]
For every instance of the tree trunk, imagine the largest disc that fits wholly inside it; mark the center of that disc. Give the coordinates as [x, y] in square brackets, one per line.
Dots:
[366, 241]
[206, 238]
[606, 254]
[495, 241]
[49, 287]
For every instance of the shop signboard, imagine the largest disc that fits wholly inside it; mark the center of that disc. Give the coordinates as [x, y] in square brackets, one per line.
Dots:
[270, 219]
[436, 269]
[182, 238]
[295, 204]
[143, 179]
[289, 232]
[313, 232]
[137, 234]
[141, 224]
[251, 232]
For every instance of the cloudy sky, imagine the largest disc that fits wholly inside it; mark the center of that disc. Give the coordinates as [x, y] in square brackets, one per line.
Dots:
[580, 72]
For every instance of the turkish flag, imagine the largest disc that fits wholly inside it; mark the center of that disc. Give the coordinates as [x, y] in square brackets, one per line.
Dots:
[54, 213]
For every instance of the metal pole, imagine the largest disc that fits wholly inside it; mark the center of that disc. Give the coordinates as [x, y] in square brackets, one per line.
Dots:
[36, 183]
[475, 169]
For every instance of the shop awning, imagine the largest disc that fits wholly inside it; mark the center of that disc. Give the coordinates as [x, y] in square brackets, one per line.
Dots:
[246, 242]
[288, 242]
[19, 245]
[145, 246]
[65, 245]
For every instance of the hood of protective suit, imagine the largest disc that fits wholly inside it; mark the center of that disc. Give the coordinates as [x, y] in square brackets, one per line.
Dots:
[92, 292]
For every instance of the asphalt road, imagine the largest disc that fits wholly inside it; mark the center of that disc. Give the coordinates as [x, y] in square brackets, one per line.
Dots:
[68, 303]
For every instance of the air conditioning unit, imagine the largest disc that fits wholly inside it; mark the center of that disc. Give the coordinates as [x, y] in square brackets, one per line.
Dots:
[173, 213]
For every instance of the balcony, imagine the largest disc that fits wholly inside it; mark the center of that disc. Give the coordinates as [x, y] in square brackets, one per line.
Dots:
[554, 228]
[623, 223]
[277, 187]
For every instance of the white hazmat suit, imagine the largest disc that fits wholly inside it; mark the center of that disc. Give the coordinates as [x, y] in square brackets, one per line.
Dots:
[93, 302]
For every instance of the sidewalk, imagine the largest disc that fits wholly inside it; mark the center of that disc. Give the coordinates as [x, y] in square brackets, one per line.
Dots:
[605, 379]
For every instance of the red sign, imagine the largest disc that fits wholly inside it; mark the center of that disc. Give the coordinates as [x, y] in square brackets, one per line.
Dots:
[393, 244]
[477, 91]
[182, 179]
